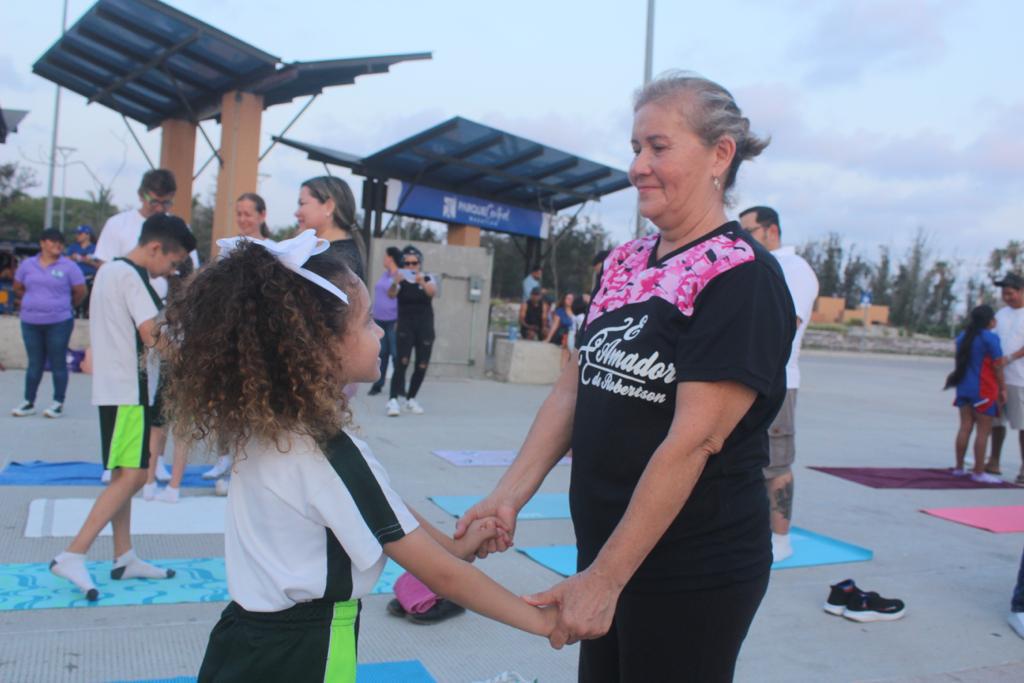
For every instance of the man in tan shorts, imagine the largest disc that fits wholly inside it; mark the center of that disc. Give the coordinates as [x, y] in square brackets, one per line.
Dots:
[1010, 329]
[762, 223]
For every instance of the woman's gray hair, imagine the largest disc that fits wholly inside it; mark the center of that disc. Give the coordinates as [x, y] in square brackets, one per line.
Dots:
[711, 112]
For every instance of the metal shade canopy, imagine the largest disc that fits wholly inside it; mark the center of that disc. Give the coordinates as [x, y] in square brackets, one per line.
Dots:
[470, 158]
[9, 120]
[151, 62]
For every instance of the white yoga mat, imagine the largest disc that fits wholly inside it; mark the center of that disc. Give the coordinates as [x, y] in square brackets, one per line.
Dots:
[484, 458]
[190, 515]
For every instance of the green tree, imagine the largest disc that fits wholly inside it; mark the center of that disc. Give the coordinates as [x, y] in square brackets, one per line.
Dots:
[826, 260]
[909, 296]
[881, 279]
[1006, 259]
[856, 279]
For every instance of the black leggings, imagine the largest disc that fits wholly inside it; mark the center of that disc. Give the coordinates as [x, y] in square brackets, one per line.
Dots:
[412, 333]
[674, 637]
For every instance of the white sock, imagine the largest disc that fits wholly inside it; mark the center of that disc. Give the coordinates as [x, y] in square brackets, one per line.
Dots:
[129, 566]
[71, 566]
[169, 495]
[781, 547]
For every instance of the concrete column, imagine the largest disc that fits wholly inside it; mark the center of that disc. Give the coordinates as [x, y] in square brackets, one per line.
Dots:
[463, 235]
[240, 115]
[178, 155]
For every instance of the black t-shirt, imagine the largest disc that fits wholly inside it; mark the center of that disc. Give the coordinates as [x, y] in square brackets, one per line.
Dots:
[716, 309]
[413, 301]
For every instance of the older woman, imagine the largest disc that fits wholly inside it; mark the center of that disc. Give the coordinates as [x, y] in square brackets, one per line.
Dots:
[681, 369]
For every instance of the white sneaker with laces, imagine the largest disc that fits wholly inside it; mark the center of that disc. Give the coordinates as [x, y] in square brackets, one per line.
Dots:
[219, 469]
[149, 491]
[105, 477]
[414, 407]
[163, 474]
[55, 410]
[169, 495]
[24, 409]
[393, 408]
[986, 478]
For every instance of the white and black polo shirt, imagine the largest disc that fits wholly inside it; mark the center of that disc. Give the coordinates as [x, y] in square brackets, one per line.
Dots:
[714, 310]
[309, 523]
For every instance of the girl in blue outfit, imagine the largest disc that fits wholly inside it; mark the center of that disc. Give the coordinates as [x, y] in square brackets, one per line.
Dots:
[978, 378]
[259, 351]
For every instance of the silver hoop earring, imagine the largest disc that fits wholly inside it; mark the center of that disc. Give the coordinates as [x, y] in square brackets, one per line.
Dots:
[717, 183]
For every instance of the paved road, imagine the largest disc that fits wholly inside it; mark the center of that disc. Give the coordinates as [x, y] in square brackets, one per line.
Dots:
[853, 410]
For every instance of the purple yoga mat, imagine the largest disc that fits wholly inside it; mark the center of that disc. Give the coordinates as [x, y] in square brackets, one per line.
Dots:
[907, 478]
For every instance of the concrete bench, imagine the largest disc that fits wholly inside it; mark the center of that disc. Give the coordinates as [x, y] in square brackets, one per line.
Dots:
[527, 362]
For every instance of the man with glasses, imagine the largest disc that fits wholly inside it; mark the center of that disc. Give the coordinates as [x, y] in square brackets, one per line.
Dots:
[762, 223]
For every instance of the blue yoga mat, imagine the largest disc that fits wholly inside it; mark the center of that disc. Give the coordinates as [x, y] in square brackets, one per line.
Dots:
[78, 473]
[408, 671]
[541, 506]
[32, 586]
[809, 549]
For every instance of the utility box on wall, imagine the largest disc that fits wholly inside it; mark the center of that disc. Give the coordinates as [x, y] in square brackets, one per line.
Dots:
[461, 306]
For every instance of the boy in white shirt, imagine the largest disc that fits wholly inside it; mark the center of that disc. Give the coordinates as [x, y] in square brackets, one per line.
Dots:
[121, 326]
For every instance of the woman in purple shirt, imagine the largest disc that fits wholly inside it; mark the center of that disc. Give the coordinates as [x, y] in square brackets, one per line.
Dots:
[50, 285]
[385, 314]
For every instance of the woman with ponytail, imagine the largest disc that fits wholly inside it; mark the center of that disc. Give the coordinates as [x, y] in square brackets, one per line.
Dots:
[327, 205]
[980, 390]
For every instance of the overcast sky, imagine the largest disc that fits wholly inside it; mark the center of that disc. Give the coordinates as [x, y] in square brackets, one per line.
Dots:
[884, 116]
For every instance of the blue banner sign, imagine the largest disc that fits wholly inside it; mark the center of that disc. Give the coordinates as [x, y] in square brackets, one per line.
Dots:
[449, 207]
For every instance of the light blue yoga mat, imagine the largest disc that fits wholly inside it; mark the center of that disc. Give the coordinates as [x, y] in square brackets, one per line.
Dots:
[78, 473]
[408, 671]
[541, 506]
[32, 586]
[809, 549]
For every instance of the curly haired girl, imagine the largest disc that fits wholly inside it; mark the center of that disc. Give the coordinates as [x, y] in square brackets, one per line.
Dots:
[259, 352]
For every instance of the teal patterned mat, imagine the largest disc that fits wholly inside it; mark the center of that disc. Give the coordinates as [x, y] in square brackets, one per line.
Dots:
[32, 586]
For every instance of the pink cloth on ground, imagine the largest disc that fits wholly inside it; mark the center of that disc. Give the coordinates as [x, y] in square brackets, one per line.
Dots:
[413, 595]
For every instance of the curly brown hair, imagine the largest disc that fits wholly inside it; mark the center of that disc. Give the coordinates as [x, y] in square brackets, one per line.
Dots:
[248, 351]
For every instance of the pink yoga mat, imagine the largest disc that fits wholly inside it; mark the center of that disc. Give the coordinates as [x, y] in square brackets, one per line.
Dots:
[1005, 519]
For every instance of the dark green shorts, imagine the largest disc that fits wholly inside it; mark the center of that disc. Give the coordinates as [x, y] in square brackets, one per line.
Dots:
[312, 642]
[124, 435]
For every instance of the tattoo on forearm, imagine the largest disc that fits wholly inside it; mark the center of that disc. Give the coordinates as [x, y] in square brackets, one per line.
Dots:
[782, 500]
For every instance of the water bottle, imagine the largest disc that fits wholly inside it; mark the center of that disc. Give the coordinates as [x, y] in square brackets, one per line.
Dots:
[513, 332]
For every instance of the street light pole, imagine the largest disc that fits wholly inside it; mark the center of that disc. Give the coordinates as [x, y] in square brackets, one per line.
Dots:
[65, 152]
[648, 63]
[48, 221]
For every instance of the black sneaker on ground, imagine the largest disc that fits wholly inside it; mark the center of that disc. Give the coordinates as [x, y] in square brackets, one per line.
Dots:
[442, 609]
[374, 390]
[871, 606]
[839, 596]
[395, 608]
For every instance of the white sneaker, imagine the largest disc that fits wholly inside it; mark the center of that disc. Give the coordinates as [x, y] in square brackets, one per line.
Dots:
[414, 407]
[219, 469]
[393, 408]
[1016, 621]
[105, 477]
[149, 491]
[24, 409]
[163, 475]
[221, 487]
[55, 410]
[986, 478]
[169, 495]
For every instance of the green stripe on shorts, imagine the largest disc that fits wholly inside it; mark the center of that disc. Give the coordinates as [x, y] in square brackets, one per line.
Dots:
[129, 431]
[341, 654]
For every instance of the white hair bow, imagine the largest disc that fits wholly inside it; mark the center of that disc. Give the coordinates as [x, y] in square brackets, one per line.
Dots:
[293, 254]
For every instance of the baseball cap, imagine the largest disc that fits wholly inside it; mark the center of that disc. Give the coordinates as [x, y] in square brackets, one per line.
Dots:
[1010, 280]
[84, 228]
[52, 235]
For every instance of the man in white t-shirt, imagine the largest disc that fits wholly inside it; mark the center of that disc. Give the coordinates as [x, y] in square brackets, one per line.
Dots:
[762, 223]
[121, 320]
[1010, 329]
[121, 232]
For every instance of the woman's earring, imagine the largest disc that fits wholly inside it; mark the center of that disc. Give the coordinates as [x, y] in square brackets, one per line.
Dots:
[717, 183]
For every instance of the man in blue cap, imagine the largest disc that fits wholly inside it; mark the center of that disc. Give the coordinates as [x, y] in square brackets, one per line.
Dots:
[81, 252]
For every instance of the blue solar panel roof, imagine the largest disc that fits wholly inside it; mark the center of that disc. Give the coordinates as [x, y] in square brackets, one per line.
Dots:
[150, 62]
[463, 156]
